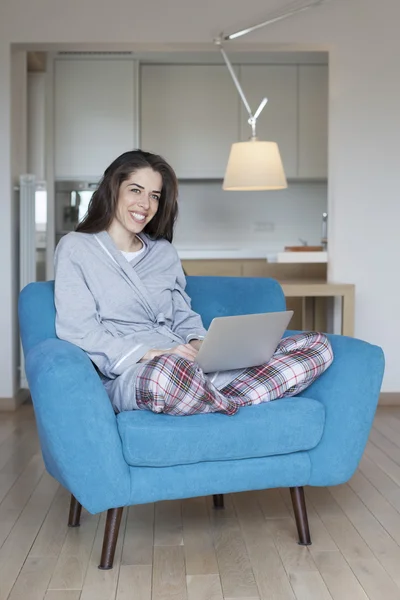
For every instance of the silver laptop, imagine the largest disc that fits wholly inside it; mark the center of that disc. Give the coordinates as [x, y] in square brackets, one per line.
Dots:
[242, 341]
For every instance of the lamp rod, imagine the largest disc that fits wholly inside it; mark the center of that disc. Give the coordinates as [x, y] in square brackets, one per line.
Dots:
[260, 108]
[252, 118]
[275, 19]
[235, 79]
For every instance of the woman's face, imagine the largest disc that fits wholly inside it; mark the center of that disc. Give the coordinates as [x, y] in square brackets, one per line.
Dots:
[138, 199]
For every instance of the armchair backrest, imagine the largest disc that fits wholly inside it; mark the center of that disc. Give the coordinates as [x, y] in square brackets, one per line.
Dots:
[211, 297]
[229, 296]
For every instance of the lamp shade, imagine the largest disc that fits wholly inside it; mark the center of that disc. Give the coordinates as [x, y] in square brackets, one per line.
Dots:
[254, 165]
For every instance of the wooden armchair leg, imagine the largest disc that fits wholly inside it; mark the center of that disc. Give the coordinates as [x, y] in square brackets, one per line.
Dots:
[218, 501]
[300, 514]
[111, 531]
[75, 509]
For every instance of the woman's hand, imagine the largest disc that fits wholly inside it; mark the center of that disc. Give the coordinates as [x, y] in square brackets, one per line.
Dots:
[184, 350]
[196, 344]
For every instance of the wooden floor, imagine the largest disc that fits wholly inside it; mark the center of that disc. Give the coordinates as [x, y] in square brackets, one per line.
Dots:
[188, 551]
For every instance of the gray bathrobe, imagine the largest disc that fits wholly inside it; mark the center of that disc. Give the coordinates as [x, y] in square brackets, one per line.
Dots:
[117, 310]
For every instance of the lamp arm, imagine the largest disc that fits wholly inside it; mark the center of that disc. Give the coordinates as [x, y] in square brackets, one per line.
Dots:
[260, 108]
[235, 79]
[252, 118]
[274, 19]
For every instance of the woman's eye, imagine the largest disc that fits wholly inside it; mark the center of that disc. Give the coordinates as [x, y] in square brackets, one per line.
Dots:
[156, 197]
[136, 190]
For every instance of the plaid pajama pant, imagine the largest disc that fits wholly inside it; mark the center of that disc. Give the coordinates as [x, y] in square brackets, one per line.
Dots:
[174, 385]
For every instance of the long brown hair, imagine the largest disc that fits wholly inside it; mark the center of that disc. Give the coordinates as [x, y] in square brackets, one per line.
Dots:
[103, 204]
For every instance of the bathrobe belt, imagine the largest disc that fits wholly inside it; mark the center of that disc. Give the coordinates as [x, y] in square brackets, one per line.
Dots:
[160, 319]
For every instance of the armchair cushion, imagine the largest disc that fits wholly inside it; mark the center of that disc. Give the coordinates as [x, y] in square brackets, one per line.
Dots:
[158, 440]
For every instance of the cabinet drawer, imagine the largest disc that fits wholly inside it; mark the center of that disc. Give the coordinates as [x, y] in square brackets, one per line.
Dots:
[227, 268]
[254, 268]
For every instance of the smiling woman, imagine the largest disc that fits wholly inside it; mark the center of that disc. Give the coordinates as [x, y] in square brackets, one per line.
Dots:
[120, 296]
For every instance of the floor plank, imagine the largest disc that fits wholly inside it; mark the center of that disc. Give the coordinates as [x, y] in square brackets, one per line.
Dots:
[33, 579]
[100, 584]
[169, 579]
[7, 429]
[385, 444]
[340, 580]
[377, 504]
[15, 454]
[63, 595]
[273, 505]
[168, 524]
[270, 575]
[73, 560]
[233, 561]
[51, 536]
[17, 545]
[338, 576]
[139, 536]
[382, 482]
[309, 585]
[390, 420]
[375, 580]
[204, 587]
[17, 497]
[134, 582]
[379, 541]
[298, 561]
[383, 461]
[15, 461]
[200, 556]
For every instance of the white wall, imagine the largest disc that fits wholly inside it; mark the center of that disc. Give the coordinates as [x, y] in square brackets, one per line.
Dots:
[362, 36]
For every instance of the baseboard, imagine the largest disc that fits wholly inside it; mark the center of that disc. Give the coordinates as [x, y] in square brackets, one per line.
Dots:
[11, 404]
[389, 399]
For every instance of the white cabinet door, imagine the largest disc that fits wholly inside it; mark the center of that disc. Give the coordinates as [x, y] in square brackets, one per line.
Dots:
[94, 115]
[313, 121]
[189, 115]
[278, 121]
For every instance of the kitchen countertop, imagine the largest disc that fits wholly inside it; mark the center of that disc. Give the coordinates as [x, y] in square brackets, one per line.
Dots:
[249, 253]
[224, 253]
[302, 257]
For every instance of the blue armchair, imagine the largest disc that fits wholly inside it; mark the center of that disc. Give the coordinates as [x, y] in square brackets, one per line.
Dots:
[109, 461]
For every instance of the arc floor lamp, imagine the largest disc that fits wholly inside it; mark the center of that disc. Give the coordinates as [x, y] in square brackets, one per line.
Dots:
[256, 165]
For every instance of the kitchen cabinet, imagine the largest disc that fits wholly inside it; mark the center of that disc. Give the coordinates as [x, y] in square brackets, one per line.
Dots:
[313, 121]
[215, 268]
[189, 115]
[258, 267]
[296, 116]
[94, 115]
[278, 120]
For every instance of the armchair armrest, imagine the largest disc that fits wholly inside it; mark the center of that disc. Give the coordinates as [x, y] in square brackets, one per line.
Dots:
[349, 390]
[77, 426]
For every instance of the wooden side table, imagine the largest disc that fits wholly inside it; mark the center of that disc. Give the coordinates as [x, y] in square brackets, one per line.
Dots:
[312, 291]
